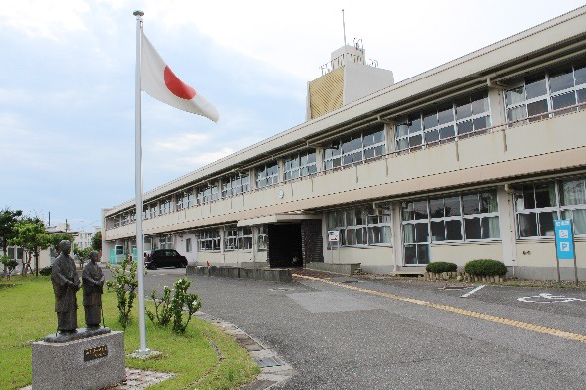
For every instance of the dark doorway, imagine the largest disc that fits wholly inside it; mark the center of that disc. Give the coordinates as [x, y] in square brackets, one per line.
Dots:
[285, 248]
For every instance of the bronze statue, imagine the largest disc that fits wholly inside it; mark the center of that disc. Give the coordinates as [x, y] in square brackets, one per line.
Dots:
[93, 288]
[65, 285]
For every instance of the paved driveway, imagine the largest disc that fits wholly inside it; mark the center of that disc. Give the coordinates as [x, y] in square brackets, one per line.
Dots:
[357, 334]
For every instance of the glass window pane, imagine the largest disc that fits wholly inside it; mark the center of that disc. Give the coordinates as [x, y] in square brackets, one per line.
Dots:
[490, 227]
[463, 108]
[488, 202]
[454, 229]
[403, 144]
[573, 192]
[581, 93]
[546, 223]
[527, 225]
[561, 78]
[479, 103]
[431, 136]
[415, 141]
[517, 113]
[545, 195]
[420, 209]
[515, 95]
[563, 100]
[447, 132]
[580, 72]
[465, 127]
[445, 114]
[407, 213]
[408, 233]
[414, 125]
[410, 254]
[535, 86]
[436, 208]
[438, 231]
[421, 233]
[429, 119]
[470, 204]
[422, 254]
[472, 228]
[528, 197]
[579, 221]
[481, 123]
[452, 206]
[537, 108]
[401, 130]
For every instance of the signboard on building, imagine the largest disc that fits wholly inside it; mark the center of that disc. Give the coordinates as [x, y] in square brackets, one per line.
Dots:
[564, 239]
[334, 236]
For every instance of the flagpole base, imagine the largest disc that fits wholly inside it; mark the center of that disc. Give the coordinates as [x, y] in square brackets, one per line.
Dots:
[145, 354]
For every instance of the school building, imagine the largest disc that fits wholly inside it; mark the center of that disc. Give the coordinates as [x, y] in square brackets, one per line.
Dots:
[473, 159]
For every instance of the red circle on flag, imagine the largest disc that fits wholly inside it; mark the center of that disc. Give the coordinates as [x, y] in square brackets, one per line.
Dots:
[178, 87]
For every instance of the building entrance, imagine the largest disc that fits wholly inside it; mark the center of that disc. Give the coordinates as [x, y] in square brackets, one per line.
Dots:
[285, 248]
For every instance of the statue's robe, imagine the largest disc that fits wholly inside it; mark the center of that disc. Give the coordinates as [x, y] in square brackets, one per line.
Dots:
[65, 285]
[93, 282]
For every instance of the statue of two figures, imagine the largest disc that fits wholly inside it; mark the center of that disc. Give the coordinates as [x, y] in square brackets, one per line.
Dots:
[66, 284]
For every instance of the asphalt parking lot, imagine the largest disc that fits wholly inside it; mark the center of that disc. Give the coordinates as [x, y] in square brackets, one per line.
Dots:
[350, 333]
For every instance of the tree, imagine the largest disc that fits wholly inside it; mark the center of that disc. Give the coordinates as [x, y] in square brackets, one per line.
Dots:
[82, 254]
[97, 241]
[32, 237]
[8, 219]
[56, 238]
[9, 265]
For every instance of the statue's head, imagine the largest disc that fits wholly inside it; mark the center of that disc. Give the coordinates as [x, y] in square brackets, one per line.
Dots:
[94, 256]
[65, 246]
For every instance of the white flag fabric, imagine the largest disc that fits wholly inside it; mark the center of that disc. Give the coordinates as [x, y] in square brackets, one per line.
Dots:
[160, 82]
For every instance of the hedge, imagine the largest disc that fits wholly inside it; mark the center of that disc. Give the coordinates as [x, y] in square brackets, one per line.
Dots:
[485, 267]
[441, 266]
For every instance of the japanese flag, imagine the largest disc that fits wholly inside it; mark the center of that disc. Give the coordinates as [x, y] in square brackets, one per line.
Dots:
[160, 82]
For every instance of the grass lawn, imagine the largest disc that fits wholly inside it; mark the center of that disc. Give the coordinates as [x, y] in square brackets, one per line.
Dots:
[28, 315]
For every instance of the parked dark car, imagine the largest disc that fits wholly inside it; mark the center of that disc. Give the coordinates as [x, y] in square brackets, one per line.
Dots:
[165, 258]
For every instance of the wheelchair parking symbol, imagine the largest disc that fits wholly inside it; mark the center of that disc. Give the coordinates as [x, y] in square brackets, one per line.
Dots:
[549, 298]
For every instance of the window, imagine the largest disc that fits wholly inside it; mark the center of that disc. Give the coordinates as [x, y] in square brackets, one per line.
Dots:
[445, 122]
[166, 205]
[267, 174]
[356, 147]
[188, 245]
[207, 193]
[188, 198]
[209, 240]
[362, 225]
[179, 201]
[539, 206]
[299, 165]
[262, 238]
[539, 93]
[166, 242]
[462, 217]
[238, 238]
[235, 184]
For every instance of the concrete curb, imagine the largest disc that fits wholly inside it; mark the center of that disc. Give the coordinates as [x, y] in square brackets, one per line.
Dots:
[282, 275]
[273, 369]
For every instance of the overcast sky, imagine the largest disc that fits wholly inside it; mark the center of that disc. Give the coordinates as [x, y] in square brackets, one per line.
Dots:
[67, 81]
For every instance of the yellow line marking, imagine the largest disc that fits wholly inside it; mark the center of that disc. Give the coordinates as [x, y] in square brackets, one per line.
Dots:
[457, 310]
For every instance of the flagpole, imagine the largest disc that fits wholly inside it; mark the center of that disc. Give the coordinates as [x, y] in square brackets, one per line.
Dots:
[138, 188]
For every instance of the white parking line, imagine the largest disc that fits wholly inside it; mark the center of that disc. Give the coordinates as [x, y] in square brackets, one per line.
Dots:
[471, 292]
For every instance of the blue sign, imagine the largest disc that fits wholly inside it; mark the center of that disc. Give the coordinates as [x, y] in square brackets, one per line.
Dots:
[564, 239]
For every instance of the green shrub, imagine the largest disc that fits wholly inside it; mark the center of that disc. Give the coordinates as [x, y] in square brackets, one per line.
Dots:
[169, 308]
[124, 284]
[441, 266]
[485, 267]
[46, 271]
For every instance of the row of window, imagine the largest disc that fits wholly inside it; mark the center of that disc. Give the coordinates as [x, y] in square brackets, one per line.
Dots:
[361, 225]
[535, 94]
[235, 238]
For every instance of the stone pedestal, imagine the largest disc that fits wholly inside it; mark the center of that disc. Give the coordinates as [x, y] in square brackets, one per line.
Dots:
[90, 363]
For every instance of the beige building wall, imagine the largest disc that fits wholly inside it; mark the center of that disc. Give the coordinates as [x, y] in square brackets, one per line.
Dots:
[463, 253]
[377, 259]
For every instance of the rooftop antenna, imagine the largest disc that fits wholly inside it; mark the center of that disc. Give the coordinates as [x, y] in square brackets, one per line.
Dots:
[345, 46]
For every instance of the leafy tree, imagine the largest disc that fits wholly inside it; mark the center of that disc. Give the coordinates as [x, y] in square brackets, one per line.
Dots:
[9, 265]
[32, 237]
[82, 254]
[56, 238]
[97, 241]
[8, 220]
